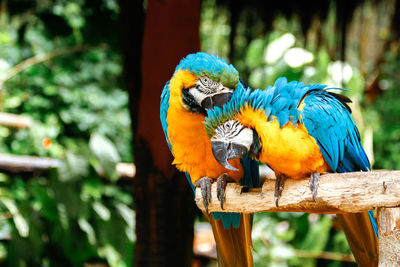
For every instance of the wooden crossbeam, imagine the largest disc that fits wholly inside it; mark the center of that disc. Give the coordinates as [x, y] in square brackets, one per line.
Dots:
[17, 163]
[14, 121]
[337, 193]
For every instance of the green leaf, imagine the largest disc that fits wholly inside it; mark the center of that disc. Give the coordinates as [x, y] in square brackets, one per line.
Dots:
[101, 210]
[19, 221]
[73, 168]
[112, 255]
[88, 229]
[106, 153]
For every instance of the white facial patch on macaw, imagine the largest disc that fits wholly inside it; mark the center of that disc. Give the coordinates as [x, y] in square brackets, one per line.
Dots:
[233, 131]
[205, 87]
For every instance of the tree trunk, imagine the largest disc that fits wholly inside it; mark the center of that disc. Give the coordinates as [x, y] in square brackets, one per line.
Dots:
[163, 199]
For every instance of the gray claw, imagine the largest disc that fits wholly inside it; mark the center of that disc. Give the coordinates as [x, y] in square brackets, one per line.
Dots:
[314, 179]
[221, 185]
[280, 181]
[205, 185]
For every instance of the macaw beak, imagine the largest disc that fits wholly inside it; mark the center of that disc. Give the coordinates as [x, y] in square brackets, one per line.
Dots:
[224, 151]
[217, 100]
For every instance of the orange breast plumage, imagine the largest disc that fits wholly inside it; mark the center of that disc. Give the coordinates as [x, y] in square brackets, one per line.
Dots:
[288, 150]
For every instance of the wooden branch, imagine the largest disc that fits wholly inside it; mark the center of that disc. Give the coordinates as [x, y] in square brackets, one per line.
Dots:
[15, 121]
[126, 170]
[337, 193]
[326, 255]
[389, 236]
[16, 163]
[39, 59]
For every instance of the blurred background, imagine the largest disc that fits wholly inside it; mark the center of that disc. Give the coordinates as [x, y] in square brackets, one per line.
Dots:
[85, 174]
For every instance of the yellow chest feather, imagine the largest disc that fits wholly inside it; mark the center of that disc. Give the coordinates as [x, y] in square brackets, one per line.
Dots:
[288, 150]
[192, 147]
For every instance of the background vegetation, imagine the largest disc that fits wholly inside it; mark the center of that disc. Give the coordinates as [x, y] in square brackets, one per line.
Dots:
[74, 94]
[70, 215]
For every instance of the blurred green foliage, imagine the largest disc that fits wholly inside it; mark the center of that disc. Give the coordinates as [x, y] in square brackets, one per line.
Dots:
[384, 115]
[71, 215]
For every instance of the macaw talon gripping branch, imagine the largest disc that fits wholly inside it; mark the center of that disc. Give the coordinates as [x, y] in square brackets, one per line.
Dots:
[221, 185]
[205, 185]
[280, 181]
[314, 179]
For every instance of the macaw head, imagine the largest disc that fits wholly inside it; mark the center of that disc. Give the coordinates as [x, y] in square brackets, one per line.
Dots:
[202, 81]
[232, 140]
[228, 128]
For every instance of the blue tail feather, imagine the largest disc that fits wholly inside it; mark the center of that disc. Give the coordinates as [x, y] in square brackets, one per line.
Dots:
[357, 160]
[373, 222]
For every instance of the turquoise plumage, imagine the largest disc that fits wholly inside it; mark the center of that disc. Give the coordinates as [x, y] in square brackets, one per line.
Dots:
[280, 101]
[203, 64]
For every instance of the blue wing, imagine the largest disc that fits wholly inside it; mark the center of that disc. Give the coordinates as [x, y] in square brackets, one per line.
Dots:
[164, 105]
[327, 119]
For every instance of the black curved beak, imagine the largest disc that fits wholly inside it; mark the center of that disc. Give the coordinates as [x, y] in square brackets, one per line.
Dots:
[225, 151]
[217, 100]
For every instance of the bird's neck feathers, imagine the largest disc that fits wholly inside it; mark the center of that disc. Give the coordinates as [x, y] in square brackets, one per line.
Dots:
[182, 79]
[192, 147]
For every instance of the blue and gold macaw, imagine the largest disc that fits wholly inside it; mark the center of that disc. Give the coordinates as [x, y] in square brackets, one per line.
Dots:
[299, 131]
[200, 83]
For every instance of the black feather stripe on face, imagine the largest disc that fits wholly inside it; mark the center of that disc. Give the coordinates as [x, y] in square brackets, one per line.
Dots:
[191, 104]
[256, 146]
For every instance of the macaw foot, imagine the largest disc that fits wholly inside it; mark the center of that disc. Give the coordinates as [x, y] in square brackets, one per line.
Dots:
[314, 179]
[280, 181]
[221, 185]
[205, 185]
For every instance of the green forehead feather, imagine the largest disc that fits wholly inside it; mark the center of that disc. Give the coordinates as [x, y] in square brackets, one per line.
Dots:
[212, 123]
[219, 116]
[215, 68]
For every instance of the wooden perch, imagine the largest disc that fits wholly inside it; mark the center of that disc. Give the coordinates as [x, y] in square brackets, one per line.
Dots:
[15, 121]
[337, 193]
[389, 236]
[16, 163]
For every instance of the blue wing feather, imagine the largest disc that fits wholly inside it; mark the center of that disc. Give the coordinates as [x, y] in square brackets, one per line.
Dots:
[325, 118]
[164, 105]
[329, 122]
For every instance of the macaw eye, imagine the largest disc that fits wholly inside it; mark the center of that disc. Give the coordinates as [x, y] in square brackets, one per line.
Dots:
[207, 82]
